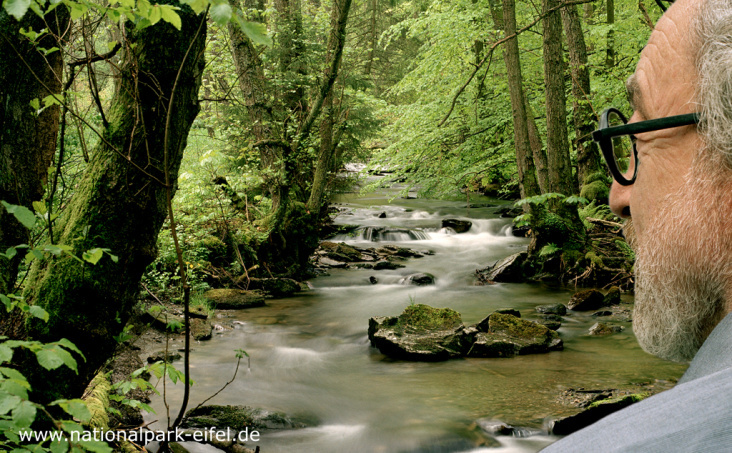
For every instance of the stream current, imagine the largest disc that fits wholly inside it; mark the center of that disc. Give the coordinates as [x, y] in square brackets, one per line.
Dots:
[310, 354]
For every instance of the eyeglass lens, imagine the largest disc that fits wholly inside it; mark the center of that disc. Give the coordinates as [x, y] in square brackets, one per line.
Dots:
[622, 147]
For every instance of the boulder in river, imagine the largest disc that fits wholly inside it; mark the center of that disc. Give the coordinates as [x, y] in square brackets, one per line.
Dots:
[340, 251]
[238, 418]
[508, 270]
[460, 226]
[232, 299]
[420, 279]
[600, 329]
[590, 299]
[503, 335]
[420, 333]
[431, 334]
[593, 413]
[277, 287]
[612, 297]
[381, 265]
[552, 309]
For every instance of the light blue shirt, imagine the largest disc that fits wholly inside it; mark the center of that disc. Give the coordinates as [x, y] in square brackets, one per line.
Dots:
[694, 416]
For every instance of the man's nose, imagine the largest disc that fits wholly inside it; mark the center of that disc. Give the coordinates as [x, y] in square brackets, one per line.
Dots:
[620, 200]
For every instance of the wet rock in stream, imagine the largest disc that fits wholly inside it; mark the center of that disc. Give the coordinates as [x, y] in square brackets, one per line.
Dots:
[459, 226]
[424, 333]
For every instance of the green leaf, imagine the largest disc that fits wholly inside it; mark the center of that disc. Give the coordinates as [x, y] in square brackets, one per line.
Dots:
[196, 5]
[38, 312]
[36, 104]
[77, 9]
[69, 345]
[96, 446]
[76, 408]
[10, 253]
[6, 354]
[24, 414]
[39, 207]
[93, 256]
[23, 214]
[155, 14]
[16, 8]
[6, 300]
[255, 31]
[8, 402]
[221, 13]
[59, 447]
[52, 356]
[170, 16]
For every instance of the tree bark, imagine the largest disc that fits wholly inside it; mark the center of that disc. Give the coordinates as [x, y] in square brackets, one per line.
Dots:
[27, 140]
[588, 157]
[121, 202]
[528, 183]
[560, 177]
[326, 154]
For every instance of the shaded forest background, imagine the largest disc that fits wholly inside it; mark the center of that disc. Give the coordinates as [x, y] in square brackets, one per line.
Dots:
[153, 151]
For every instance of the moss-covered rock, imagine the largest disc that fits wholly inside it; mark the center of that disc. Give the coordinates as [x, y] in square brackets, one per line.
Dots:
[232, 299]
[591, 299]
[276, 287]
[596, 191]
[420, 333]
[201, 329]
[422, 318]
[612, 297]
[595, 412]
[238, 418]
[508, 336]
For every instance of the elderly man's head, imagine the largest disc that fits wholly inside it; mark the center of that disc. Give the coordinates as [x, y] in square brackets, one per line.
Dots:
[681, 201]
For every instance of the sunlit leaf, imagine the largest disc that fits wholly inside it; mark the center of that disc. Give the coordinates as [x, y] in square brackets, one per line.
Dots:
[221, 13]
[16, 8]
[23, 214]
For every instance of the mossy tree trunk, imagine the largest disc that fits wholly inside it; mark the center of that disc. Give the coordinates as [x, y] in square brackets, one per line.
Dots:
[121, 202]
[328, 139]
[27, 140]
[588, 157]
[560, 225]
[290, 235]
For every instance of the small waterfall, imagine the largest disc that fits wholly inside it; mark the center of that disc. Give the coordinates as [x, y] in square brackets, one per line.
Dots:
[383, 234]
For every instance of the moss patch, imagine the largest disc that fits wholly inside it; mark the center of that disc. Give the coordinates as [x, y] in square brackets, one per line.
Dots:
[515, 327]
[422, 318]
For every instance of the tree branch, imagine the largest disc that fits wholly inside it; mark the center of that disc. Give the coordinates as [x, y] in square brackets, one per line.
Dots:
[489, 56]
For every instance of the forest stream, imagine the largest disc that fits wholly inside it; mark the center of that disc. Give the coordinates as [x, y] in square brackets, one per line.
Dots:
[310, 355]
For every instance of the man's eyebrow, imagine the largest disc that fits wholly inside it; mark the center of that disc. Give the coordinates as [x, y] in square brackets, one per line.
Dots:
[634, 94]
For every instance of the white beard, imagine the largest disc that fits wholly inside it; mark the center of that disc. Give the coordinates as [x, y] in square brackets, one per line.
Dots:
[682, 270]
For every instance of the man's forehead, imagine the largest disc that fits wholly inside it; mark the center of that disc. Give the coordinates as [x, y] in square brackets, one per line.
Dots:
[663, 83]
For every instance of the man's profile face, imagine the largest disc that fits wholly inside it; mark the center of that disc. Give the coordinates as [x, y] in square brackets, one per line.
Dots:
[673, 225]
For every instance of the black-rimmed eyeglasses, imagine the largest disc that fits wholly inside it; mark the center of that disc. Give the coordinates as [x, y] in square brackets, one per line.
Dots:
[617, 141]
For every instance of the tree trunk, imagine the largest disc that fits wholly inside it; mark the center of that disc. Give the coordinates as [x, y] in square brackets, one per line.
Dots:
[537, 149]
[588, 157]
[560, 177]
[610, 53]
[27, 140]
[121, 202]
[526, 170]
[373, 37]
[562, 225]
[326, 154]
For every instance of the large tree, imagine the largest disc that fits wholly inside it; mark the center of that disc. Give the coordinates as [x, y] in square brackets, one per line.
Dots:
[27, 138]
[122, 200]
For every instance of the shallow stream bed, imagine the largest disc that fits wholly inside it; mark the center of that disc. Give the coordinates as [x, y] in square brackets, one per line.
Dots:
[310, 354]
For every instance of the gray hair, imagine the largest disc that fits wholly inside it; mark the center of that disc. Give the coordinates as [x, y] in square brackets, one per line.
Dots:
[713, 33]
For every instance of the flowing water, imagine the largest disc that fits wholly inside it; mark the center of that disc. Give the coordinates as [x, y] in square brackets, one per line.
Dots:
[310, 355]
